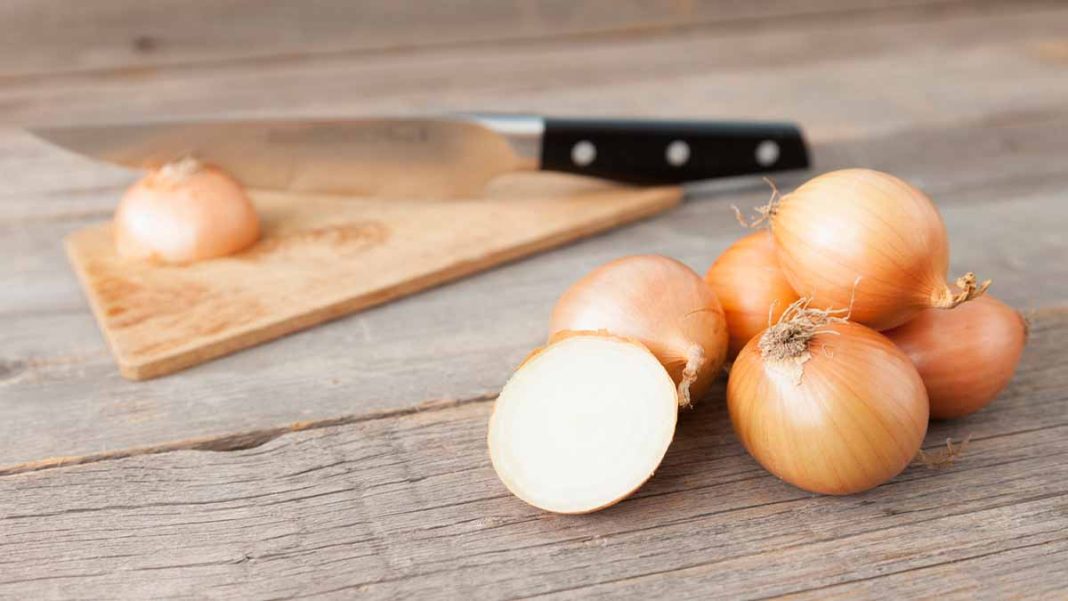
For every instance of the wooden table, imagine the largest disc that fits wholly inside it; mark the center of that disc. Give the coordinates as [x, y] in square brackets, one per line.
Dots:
[350, 459]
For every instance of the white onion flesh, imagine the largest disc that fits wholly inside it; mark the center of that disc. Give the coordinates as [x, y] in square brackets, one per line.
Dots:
[582, 423]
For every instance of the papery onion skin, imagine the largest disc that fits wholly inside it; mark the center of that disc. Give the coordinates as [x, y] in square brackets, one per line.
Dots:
[860, 223]
[660, 302]
[750, 286]
[184, 213]
[855, 419]
[966, 356]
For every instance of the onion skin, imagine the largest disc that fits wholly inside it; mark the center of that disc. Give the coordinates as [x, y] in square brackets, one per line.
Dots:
[859, 223]
[855, 419]
[751, 287]
[659, 302]
[185, 214]
[965, 356]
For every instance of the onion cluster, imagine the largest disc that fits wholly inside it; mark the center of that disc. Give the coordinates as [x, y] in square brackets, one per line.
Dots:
[845, 338]
[821, 398]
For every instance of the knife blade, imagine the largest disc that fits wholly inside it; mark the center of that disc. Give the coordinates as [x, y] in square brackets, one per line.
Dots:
[442, 156]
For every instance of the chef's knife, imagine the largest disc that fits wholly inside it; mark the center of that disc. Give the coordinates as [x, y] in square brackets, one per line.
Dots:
[443, 156]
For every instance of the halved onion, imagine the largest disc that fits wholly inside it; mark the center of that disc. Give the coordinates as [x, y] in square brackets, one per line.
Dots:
[582, 423]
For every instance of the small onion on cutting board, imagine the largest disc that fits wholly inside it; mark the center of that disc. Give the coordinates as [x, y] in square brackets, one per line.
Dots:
[184, 212]
[582, 423]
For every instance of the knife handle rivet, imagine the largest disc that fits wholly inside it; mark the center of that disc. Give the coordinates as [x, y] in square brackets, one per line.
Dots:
[677, 153]
[767, 152]
[583, 153]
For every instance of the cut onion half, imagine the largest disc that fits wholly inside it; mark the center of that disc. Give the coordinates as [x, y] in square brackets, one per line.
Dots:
[583, 423]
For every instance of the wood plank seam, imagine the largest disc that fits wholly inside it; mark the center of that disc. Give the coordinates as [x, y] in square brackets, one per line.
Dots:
[251, 439]
[922, 568]
[924, 556]
[918, 10]
[254, 438]
[703, 565]
[238, 441]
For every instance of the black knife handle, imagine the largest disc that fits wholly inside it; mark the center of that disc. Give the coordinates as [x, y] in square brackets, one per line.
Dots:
[669, 152]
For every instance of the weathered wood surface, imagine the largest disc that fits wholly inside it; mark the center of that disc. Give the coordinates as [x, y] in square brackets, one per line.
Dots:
[355, 458]
[980, 128]
[62, 395]
[408, 507]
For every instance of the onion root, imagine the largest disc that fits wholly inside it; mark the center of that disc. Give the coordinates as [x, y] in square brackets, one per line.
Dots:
[943, 458]
[970, 289]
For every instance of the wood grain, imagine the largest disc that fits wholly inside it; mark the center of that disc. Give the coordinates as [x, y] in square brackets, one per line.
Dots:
[60, 394]
[43, 37]
[408, 506]
[363, 470]
[322, 257]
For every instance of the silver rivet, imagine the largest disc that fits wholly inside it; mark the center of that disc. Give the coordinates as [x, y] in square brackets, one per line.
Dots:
[767, 152]
[677, 153]
[583, 153]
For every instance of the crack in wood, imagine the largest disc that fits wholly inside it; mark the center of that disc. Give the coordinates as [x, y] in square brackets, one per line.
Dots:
[918, 568]
[236, 442]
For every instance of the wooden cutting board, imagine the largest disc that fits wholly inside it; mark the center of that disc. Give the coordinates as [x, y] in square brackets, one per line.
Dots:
[321, 257]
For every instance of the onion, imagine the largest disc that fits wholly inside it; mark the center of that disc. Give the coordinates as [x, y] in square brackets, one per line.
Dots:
[828, 405]
[861, 223]
[752, 289]
[659, 302]
[965, 356]
[182, 213]
[582, 423]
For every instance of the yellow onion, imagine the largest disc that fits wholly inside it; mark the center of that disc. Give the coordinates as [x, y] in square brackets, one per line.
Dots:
[859, 223]
[750, 286]
[965, 356]
[184, 212]
[661, 303]
[827, 405]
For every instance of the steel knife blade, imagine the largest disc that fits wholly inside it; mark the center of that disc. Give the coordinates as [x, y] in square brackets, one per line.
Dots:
[446, 156]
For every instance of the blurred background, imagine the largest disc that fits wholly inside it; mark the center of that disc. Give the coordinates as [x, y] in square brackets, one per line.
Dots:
[843, 68]
[908, 71]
